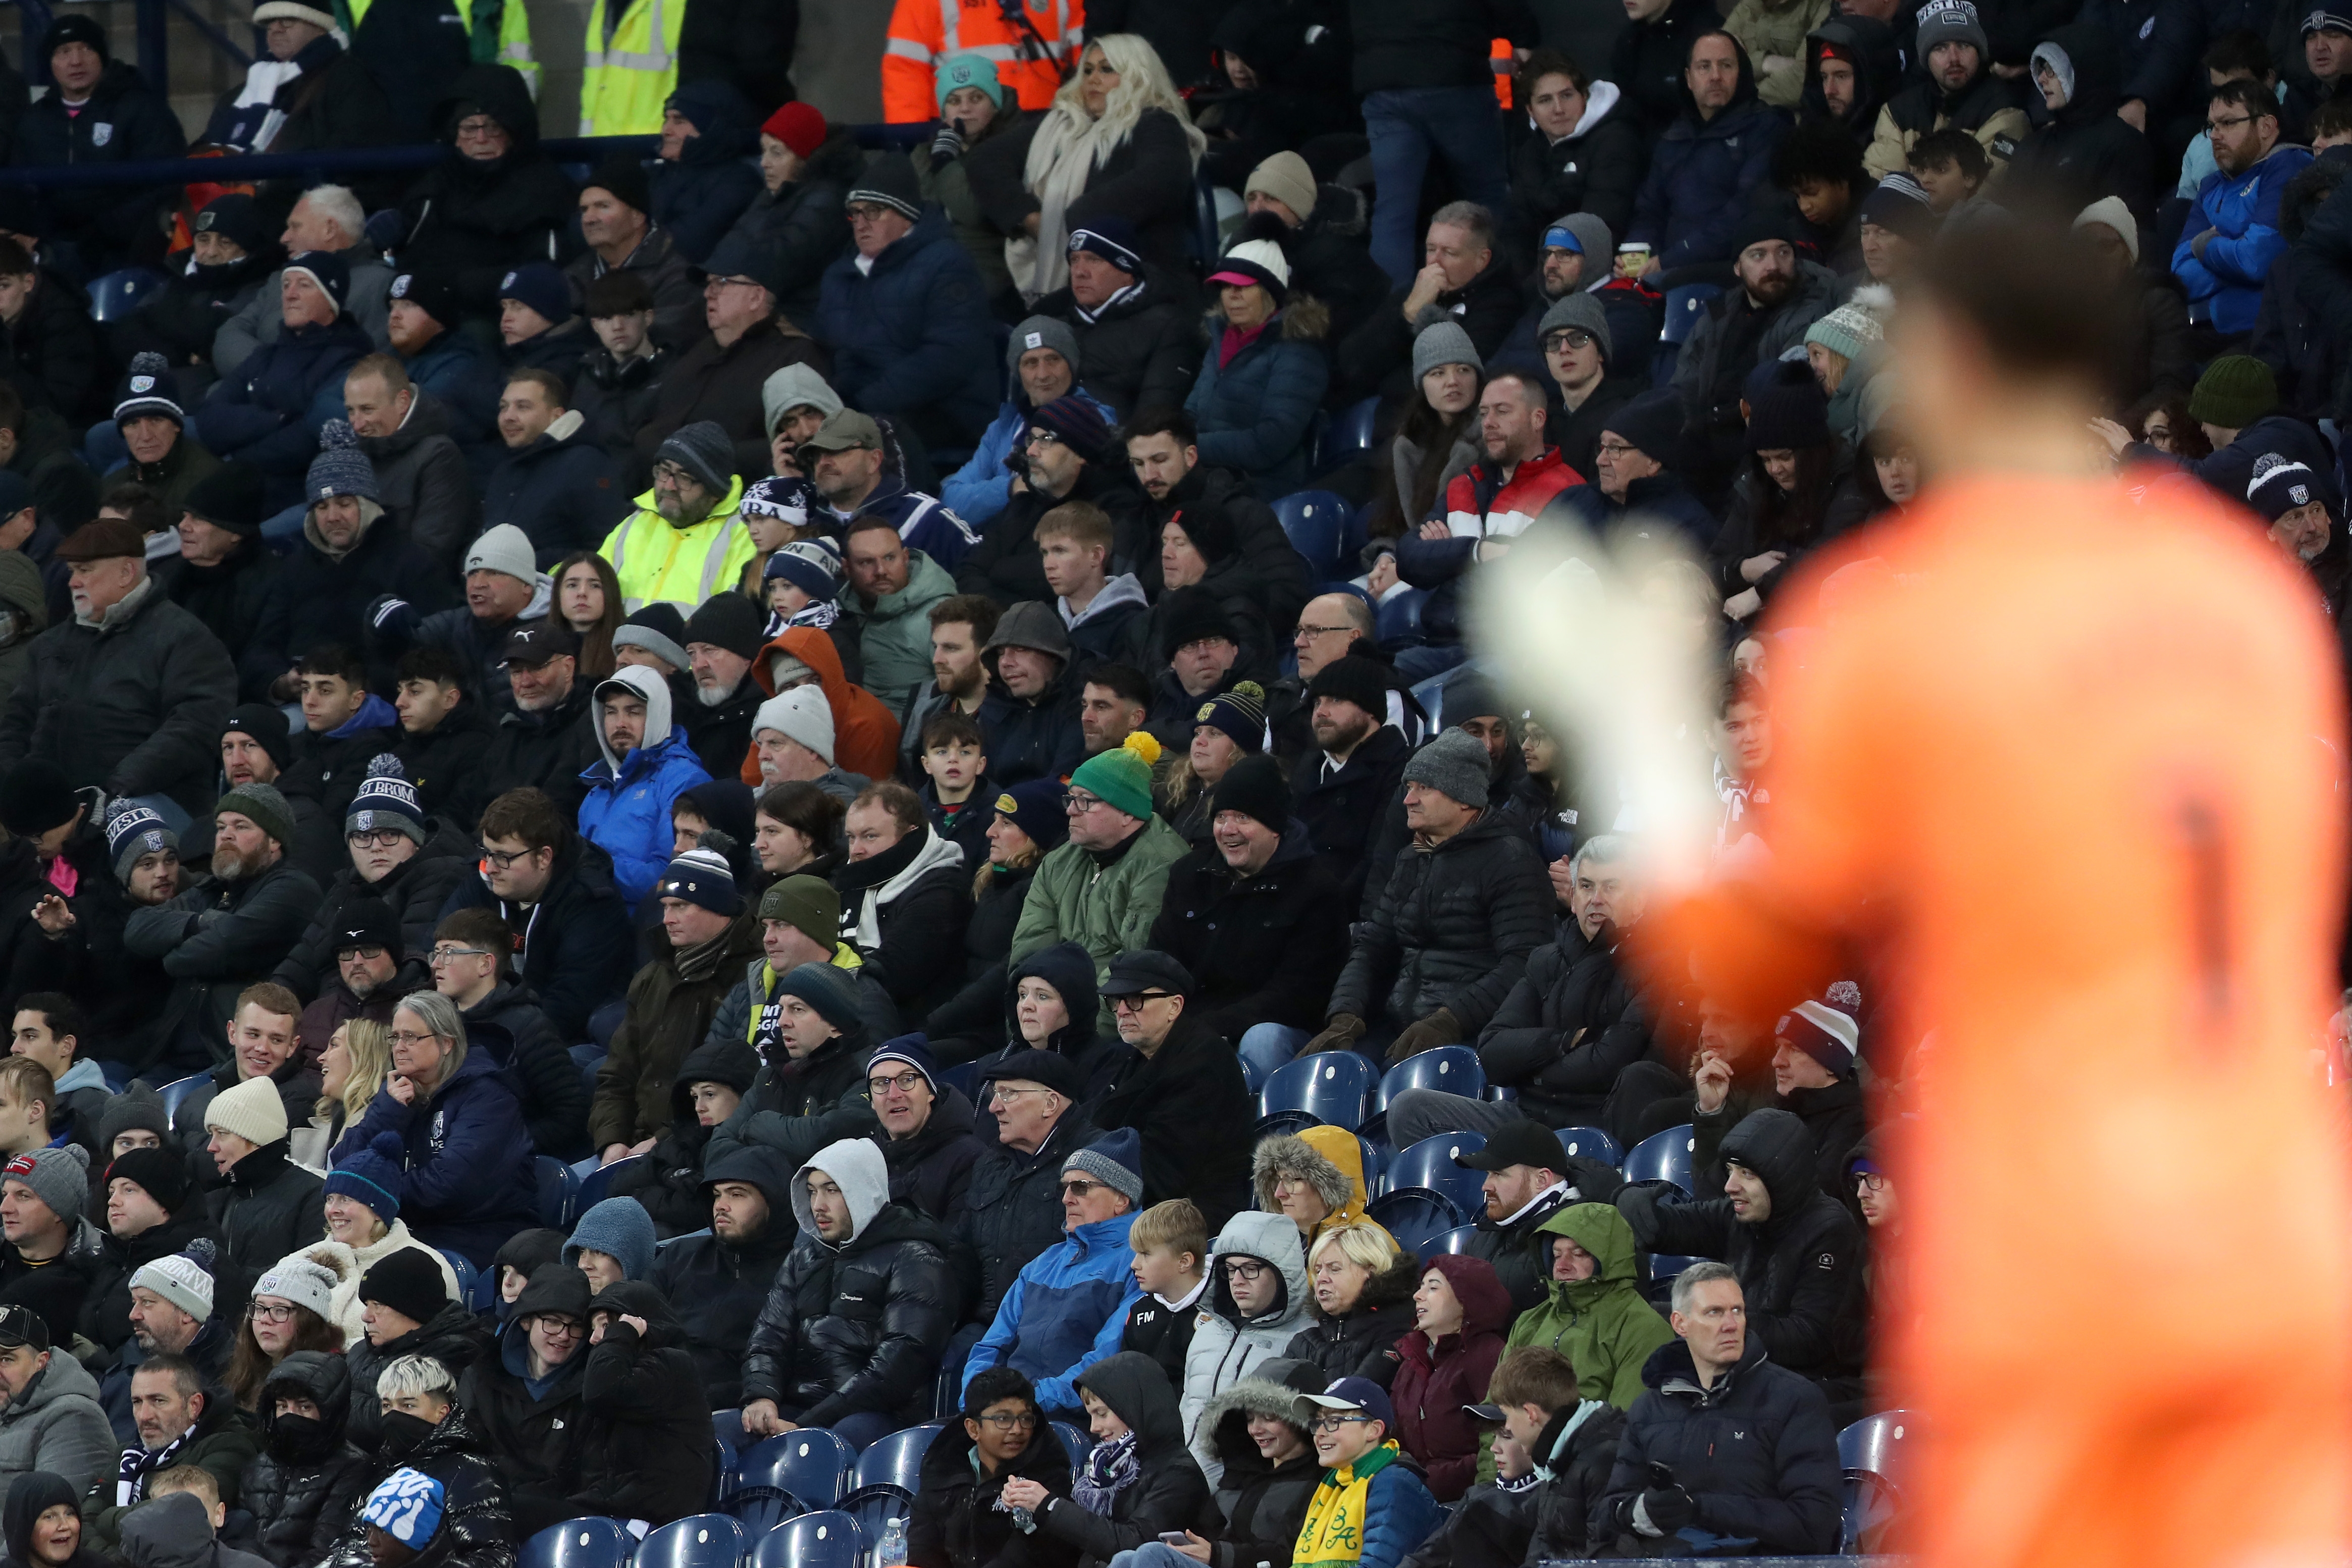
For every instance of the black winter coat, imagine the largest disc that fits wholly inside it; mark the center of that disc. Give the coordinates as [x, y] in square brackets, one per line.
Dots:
[1567, 1028]
[1031, 739]
[796, 1108]
[324, 772]
[970, 1022]
[1342, 811]
[1329, 259]
[1265, 950]
[445, 763]
[414, 891]
[678, 302]
[1800, 1269]
[473, 221]
[1196, 1115]
[1169, 1493]
[477, 1527]
[576, 941]
[134, 707]
[1432, 43]
[302, 1495]
[721, 384]
[1012, 1211]
[1147, 179]
[1835, 1119]
[856, 1327]
[2085, 152]
[1564, 1505]
[106, 1309]
[124, 120]
[1137, 351]
[268, 411]
[717, 1288]
[698, 196]
[214, 941]
[1377, 357]
[931, 1171]
[1264, 1504]
[1757, 1453]
[1453, 928]
[233, 601]
[648, 1452]
[802, 226]
[1277, 576]
[538, 1064]
[267, 1208]
[1647, 64]
[536, 1442]
[558, 489]
[544, 751]
[424, 484]
[921, 928]
[1596, 168]
[1006, 565]
[319, 599]
[49, 353]
[956, 1521]
[1362, 1341]
[453, 1336]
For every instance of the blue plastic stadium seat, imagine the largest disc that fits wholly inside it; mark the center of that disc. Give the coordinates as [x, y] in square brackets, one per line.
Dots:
[171, 1094]
[1349, 436]
[1456, 1240]
[1077, 1445]
[1317, 523]
[1397, 622]
[1589, 1144]
[557, 1187]
[964, 1076]
[1429, 1165]
[597, 1184]
[811, 1464]
[1456, 1070]
[604, 1020]
[697, 1541]
[115, 295]
[830, 1539]
[473, 1285]
[1663, 1157]
[1330, 1087]
[1665, 1267]
[579, 1543]
[897, 1460]
[1416, 1217]
[1873, 1454]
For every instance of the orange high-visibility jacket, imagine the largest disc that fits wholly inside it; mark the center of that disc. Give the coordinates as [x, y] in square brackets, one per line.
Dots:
[2070, 775]
[923, 32]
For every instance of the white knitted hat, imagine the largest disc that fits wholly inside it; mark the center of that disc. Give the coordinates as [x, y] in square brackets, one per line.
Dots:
[802, 714]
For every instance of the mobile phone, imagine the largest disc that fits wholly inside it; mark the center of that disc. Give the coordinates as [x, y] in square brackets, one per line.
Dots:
[1173, 1537]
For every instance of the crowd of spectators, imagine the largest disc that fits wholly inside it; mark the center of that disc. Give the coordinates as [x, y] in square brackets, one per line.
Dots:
[779, 678]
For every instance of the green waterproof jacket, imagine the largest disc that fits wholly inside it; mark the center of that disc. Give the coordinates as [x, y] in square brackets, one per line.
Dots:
[1602, 1324]
[1107, 909]
[894, 634]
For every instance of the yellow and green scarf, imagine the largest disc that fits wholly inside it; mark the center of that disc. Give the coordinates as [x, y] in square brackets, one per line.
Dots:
[1333, 1534]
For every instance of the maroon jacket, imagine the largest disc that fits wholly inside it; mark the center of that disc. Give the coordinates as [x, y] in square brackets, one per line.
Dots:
[1434, 1381]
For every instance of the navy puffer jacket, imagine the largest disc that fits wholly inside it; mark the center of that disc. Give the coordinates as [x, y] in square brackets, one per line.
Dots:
[1704, 172]
[914, 334]
[1256, 411]
[470, 1181]
[268, 411]
[698, 197]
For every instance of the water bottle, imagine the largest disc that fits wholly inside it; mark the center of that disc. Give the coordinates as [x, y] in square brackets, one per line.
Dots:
[892, 1552]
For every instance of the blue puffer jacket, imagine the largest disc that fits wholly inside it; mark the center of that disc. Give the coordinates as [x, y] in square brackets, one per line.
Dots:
[1256, 412]
[915, 332]
[469, 1181]
[1703, 173]
[1066, 1312]
[455, 369]
[2225, 285]
[268, 411]
[698, 198]
[983, 486]
[626, 813]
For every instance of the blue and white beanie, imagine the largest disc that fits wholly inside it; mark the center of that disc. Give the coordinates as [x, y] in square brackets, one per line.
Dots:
[407, 1505]
[341, 468]
[132, 829]
[385, 799]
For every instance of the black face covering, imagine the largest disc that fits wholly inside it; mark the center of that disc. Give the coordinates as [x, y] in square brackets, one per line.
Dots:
[296, 1436]
[402, 1432]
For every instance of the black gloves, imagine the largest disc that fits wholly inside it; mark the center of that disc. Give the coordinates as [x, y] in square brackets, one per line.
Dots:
[1670, 1508]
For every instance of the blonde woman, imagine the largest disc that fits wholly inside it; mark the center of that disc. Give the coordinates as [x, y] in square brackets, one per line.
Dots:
[354, 1065]
[1118, 146]
[1363, 1302]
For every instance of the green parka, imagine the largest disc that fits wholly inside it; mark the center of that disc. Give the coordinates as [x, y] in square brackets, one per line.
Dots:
[1107, 909]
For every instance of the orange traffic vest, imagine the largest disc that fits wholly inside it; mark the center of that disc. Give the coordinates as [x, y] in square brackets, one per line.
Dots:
[924, 32]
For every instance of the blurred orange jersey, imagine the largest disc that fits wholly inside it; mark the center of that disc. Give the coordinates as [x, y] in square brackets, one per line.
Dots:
[2068, 774]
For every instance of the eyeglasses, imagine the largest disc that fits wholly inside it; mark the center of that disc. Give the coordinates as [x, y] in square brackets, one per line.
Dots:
[504, 858]
[401, 1039]
[2232, 123]
[904, 1083]
[452, 954]
[1045, 439]
[1003, 1094]
[1305, 631]
[1081, 1190]
[1077, 804]
[670, 474]
[712, 285]
[364, 954]
[1870, 1182]
[1248, 1270]
[556, 1327]
[1614, 448]
[479, 125]
[1135, 1004]
[1329, 1423]
[261, 1314]
[1568, 339]
[382, 838]
[1006, 1421]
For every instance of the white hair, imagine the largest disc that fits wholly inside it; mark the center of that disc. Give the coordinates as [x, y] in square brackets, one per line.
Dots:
[340, 206]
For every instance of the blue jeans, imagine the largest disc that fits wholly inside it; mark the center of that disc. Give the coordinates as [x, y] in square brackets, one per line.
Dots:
[1266, 1046]
[1152, 1554]
[1406, 124]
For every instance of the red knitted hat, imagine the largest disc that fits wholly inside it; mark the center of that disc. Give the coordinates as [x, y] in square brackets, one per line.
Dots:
[798, 126]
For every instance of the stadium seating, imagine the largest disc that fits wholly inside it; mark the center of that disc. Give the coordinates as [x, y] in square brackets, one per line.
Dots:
[1320, 527]
[1077, 1445]
[1590, 1144]
[811, 1464]
[897, 1460]
[115, 295]
[1874, 1455]
[1663, 1157]
[1429, 1165]
[697, 1541]
[1456, 1070]
[597, 1184]
[589, 1542]
[558, 1193]
[1416, 1217]
[1351, 434]
[829, 1539]
[1456, 1240]
[171, 1093]
[1330, 1087]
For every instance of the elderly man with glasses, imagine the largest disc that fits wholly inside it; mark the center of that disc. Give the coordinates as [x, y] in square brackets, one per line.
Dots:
[1067, 1307]
[717, 380]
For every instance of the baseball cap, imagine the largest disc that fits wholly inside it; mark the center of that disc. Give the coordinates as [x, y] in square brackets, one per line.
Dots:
[1520, 1142]
[20, 1325]
[533, 643]
[1360, 1395]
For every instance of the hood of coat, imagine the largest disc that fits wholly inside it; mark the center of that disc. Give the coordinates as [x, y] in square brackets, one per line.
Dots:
[1272, 1388]
[1486, 1305]
[756, 1165]
[171, 1531]
[31, 1495]
[726, 126]
[1599, 101]
[1776, 1146]
[2082, 57]
[1743, 99]
[857, 1168]
[1271, 1238]
[63, 1377]
[814, 648]
[639, 1299]
[1137, 1389]
[499, 91]
[1392, 1287]
[731, 1062]
[1330, 1159]
[1602, 1231]
[324, 1380]
[1869, 45]
[647, 684]
[1070, 971]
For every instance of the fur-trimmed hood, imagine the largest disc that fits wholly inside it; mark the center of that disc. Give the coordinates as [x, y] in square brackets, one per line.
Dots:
[1329, 1157]
[1303, 319]
[1272, 1390]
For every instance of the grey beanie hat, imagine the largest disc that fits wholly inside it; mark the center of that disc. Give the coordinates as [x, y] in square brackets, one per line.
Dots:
[1952, 22]
[1444, 343]
[341, 468]
[1580, 311]
[1455, 765]
[1042, 332]
[266, 807]
[1593, 234]
[59, 1177]
[703, 449]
